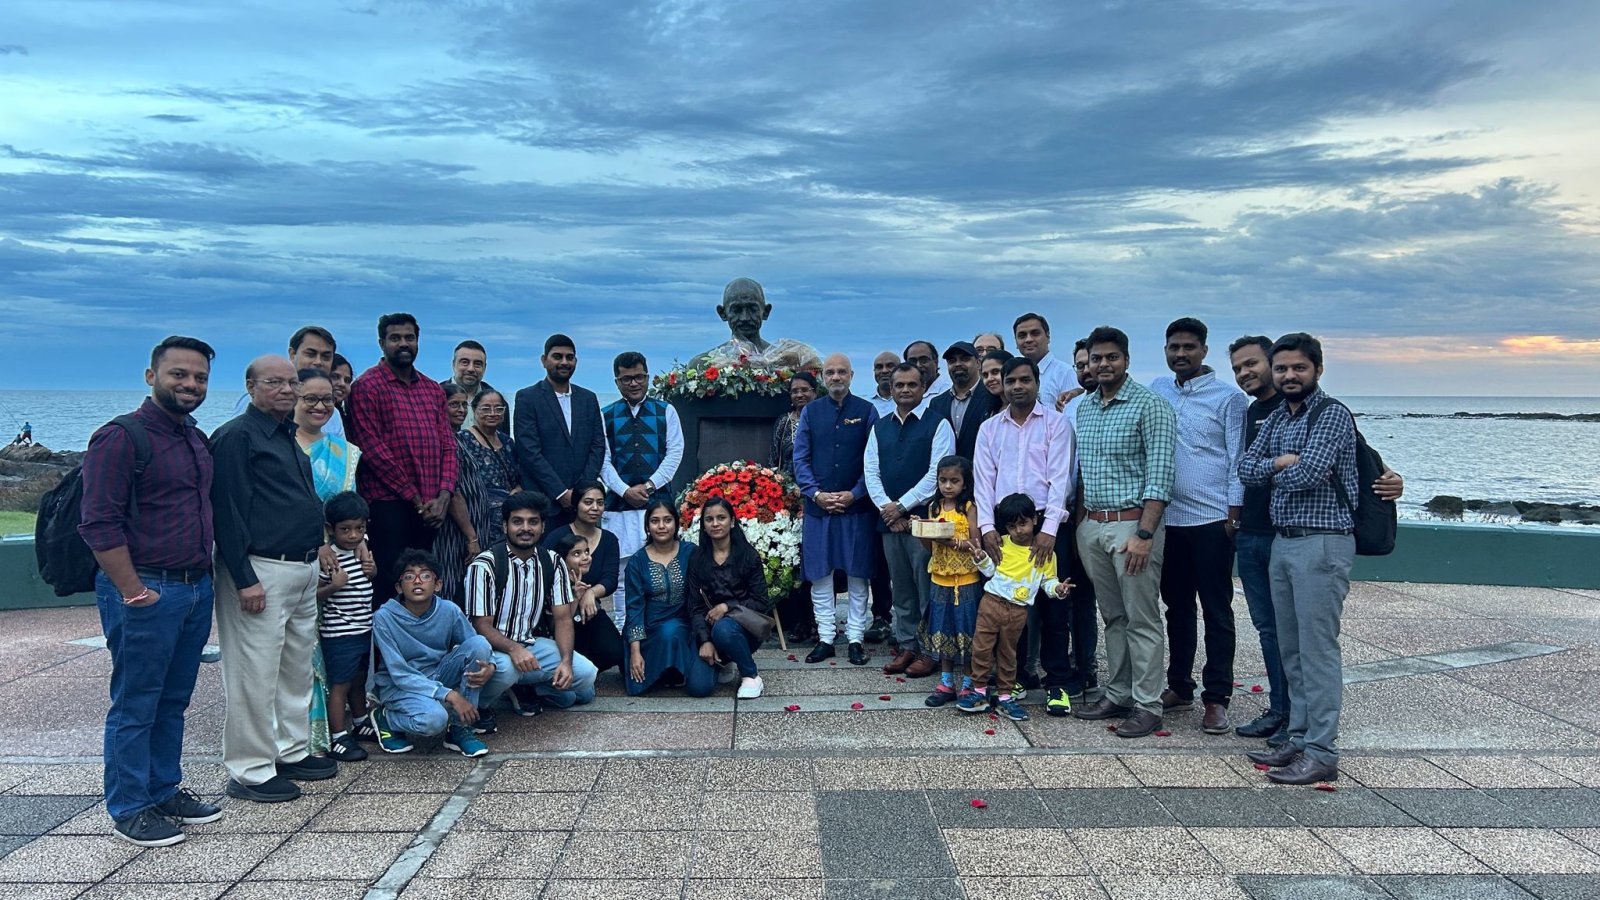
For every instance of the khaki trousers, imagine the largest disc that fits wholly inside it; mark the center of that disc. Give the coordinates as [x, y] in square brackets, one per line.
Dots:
[266, 668]
[1130, 606]
[994, 643]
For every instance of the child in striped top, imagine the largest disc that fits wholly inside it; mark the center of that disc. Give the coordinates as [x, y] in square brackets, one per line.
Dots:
[344, 592]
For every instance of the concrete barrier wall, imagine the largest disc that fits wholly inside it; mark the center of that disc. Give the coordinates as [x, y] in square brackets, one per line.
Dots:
[1519, 556]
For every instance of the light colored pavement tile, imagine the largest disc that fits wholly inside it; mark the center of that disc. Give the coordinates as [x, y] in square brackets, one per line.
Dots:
[1184, 771]
[351, 856]
[1588, 837]
[427, 775]
[640, 811]
[538, 775]
[625, 854]
[1075, 771]
[13, 774]
[245, 817]
[454, 888]
[918, 772]
[906, 725]
[122, 890]
[220, 857]
[409, 813]
[1013, 851]
[1399, 851]
[522, 812]
[1501, 772]
[1524, 851]
[531, 854]
[297, 890]
[990, 888]
[1143, 851]
[770, 888]
[85, 779]
[1271, 851]
[737, 774]
[66, 859]
[1585, 770]
[755, 811]
[752, 855]
[640, 775]
[1397, 772]
[1173, 887]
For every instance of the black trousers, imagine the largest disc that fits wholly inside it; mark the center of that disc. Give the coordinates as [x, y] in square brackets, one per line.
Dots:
[599, 642]
[1069, 629]
[1199, 562]
[394, 528]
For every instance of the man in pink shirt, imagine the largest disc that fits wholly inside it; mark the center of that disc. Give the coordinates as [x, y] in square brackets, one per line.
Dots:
[1029, 448]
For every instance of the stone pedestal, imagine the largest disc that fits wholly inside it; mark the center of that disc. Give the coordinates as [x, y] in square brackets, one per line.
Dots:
[721, 430]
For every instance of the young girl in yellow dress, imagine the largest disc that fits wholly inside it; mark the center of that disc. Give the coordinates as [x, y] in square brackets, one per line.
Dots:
[953, 600]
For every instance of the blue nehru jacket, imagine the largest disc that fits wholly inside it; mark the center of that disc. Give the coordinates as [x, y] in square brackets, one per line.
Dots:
[830, 443]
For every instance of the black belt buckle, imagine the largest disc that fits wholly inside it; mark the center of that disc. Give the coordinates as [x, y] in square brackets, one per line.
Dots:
[171, 576]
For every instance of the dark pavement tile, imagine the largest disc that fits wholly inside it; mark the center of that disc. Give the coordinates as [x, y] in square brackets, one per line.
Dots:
[880, 834]
[31, 816]
[1106, 808]
[1348, 807]
[1453, 809]
[1452, 887]
[1221, 807]
[1004, 809]
[1312, 887]
[1561, 887]
[893, 889]
[11, 842]
[1553, 807]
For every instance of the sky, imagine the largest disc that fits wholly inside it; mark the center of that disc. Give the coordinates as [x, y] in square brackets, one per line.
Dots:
[1415, 183]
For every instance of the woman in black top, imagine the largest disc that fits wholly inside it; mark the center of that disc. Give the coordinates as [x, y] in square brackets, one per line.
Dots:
[802, 390]
[728, 604]
[595, 634]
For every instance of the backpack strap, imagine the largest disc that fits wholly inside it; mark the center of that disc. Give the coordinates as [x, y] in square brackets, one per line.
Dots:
[1338, 483]
[142, 452]
[502, 568]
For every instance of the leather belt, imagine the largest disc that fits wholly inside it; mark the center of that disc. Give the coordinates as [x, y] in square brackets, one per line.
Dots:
[1294, 531]
[307, 556]
[172, 576]
[1131, 514]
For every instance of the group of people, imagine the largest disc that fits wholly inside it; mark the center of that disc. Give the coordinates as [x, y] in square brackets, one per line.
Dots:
[385, 536]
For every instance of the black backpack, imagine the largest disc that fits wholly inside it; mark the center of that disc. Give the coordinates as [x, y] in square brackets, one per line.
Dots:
[65, 562]
[1375, 518]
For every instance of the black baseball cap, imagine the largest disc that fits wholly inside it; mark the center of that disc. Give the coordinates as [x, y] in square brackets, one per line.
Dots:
[962, 347]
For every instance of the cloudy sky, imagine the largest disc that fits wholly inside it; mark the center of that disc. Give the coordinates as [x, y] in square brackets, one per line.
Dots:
[1415, 182]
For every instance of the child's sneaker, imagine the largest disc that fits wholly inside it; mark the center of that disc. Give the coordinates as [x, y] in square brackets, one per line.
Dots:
[1018, 692]
[972, 701]
[1011, 710]
[388, 741]
[345, 749]
[364, 730]
[942, 694]
[461, 739]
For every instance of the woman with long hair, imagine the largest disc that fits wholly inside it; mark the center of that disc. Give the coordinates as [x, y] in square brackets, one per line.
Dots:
[463, 533]
[590, 552]
[490, 448]
[802, 390]
[728, 603]
[657, 627]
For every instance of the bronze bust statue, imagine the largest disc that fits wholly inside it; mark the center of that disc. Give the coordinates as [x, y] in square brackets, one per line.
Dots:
[745, 308]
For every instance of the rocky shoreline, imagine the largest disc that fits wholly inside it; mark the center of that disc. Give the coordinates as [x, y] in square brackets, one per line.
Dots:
[1447, 506]
[26, 473]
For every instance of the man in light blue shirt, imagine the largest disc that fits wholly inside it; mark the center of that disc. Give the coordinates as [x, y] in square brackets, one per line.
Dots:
[1202, 518]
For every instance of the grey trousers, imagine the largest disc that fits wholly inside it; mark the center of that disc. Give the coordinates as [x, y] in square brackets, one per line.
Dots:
[909, 582]
[1310, 579]
[1130, 605]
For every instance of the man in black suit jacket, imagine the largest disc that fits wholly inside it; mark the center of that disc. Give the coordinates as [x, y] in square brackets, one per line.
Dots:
[560, 438]
[966, 396]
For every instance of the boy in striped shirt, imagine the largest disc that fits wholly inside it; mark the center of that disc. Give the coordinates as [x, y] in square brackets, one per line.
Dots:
[345, 625]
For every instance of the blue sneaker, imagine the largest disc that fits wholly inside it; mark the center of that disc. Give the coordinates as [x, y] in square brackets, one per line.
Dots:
[461, 739]
[1011, 710]
[973, 701]
[388, 741]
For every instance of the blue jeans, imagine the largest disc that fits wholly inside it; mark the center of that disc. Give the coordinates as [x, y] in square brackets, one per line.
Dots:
[734, 645]
[155, 658]
[1255, 553]
[424, 715]
[545, 651]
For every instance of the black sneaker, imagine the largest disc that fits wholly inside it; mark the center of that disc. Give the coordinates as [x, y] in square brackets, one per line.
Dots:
[345, 749]
[148, 828]
[276, 789]
[185, 808]
[1261, 726]
[878, 632]
[365, 730]
[823, 650]
[487, 723]
[312, 768]
[524, 700]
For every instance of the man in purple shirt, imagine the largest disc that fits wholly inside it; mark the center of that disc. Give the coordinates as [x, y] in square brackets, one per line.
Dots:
[151, 536]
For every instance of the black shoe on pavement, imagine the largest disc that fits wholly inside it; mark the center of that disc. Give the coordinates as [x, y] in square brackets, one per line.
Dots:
[524, 700]
[487, 722]
[1277, 759]
[186, 808]
[823, 650]
[1279, 738]
[345, 749]
[877, 632]
[858, 654]
[1304, 770]
[1261, 726]
[312, 768]
[1138, 724]
[148, 828]
[1102, 709]
[276, 789]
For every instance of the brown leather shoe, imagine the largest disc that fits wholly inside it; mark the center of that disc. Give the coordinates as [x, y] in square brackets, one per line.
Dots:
[1275, 758]
[1138, 724]
[902, 660]
[1101, 709]
[1216, 719]
[1171, 701]
[1304, 770]
[922, 667]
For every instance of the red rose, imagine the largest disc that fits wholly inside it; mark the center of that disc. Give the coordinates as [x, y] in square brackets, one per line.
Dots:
[712, 373]
[672, 379]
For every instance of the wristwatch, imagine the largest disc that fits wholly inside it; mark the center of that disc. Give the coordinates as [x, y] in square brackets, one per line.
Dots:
[1143, 535]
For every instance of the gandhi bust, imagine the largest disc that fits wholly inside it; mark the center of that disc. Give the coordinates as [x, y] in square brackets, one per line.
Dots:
[745, 308]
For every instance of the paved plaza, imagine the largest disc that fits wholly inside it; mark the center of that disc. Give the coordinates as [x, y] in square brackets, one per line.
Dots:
[1472, 758]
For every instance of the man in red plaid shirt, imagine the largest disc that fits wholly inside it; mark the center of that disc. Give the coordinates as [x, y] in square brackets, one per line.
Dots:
[408, 449]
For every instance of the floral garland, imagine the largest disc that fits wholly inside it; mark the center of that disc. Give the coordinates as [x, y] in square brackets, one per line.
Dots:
[741, 378]
[768, 506]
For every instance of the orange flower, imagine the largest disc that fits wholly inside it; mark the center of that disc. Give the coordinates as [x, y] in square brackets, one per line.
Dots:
[712, 373]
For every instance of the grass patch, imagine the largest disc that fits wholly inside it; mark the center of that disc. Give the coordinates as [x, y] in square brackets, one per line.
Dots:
[16, 522]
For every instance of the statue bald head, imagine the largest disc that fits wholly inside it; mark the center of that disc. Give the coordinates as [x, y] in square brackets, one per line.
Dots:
[744, 307]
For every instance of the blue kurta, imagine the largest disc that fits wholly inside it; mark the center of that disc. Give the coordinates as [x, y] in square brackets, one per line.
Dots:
[658, 617]
[830, 443]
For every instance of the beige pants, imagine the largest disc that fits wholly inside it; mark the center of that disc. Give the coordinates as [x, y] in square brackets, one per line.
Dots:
[266, 668]
[1130, 605]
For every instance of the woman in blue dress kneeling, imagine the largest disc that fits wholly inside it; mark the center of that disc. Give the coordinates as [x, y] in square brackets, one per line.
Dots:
[661, 648]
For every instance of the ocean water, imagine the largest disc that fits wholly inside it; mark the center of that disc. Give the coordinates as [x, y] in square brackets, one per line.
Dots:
[1495, 459]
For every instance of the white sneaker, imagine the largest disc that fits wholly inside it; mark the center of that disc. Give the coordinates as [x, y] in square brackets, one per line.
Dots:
[727, 672]
[750, 688]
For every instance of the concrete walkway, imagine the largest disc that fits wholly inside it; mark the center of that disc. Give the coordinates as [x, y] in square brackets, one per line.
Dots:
[1471, 734]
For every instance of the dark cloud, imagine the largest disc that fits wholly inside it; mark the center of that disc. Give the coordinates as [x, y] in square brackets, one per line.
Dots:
[173, 118]
[9, 49]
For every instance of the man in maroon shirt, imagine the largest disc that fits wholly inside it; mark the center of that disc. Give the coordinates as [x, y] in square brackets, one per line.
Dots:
[151, 535]
[408, 449]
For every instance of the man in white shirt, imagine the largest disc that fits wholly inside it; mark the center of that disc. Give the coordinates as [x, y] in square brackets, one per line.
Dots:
[644, 445]
[1056, 379]
[882, 369]
[925, 357]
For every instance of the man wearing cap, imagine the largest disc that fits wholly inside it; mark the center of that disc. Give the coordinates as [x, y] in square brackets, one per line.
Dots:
[964, 406]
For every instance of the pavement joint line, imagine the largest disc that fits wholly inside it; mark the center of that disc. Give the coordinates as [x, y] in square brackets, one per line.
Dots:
[1447, 660]
[400, 872]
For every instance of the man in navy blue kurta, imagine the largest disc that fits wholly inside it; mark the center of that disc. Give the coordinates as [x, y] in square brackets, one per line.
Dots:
[840, 523]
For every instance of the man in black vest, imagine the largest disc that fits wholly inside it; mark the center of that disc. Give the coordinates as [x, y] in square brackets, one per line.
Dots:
[902, 474]
[557, 426]
[966, 405]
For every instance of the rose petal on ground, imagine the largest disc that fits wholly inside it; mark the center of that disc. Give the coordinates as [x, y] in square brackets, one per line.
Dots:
[793, 658]
[1262, 767]
[988, 731]
[976, 803]
[1256, 688]
[1111, 728]
[858, 706]
[1163, 733]
[1324, 786]
[901, 680]
[993, 717]
[885, 697]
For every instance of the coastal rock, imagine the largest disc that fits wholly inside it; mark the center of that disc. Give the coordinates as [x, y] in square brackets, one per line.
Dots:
[1449, 506]
[1544, 513]
[1445, 505]
[32, 453]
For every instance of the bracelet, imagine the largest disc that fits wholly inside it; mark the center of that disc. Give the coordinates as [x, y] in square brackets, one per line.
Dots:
[142, 595]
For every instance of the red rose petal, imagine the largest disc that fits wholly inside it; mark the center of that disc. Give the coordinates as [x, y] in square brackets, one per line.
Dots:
[793, 707]
[976, 803]
[901, 680]
[886, 697]
[1324, 786]
[1256, 688]
[993, 717]
[988, 731]
[1163, 733]
[833, 664]
[858, 706]
[1111, 728]
[1262, 767]
[793, 658]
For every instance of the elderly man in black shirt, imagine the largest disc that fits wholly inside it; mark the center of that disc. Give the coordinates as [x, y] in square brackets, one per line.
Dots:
[269, 527]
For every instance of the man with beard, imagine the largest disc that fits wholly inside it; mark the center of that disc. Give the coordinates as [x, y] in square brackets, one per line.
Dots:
[269, 526]
[644, 445]
[1200, 522]
[966, 406]
[560, 437]
[408, 448]
[468, 365]
[830, 444]
[1032, 333]
[159, 549]
[882, 370]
